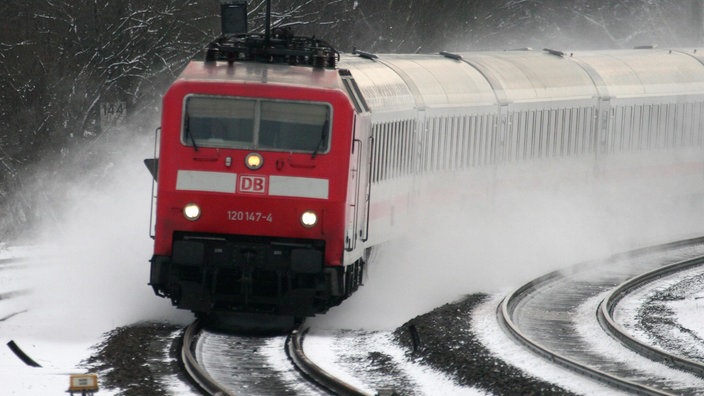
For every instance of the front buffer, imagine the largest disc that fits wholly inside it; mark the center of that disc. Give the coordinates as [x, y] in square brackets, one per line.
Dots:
[279, 279]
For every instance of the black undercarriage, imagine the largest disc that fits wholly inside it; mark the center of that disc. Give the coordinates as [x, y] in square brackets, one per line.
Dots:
[240, 276]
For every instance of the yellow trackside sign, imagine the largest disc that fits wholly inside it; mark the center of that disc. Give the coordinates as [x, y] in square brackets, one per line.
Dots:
[83, 383]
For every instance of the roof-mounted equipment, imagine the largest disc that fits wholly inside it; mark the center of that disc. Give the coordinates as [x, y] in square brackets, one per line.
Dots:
[278, 45]
[363, 54]
[450, 55]
[645, 47]
[233, 17]
[554, 52]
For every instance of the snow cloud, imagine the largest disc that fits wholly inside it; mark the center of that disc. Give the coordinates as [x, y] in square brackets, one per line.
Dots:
[94, 251]
[520, 223]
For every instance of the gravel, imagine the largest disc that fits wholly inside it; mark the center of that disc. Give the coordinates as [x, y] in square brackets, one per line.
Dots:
[137, 360]
[657, 318]
[444, 340]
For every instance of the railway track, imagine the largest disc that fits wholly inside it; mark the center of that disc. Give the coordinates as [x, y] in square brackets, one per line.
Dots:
[556, 316]
[608, 307]
[313, 372]
[194, 370]
[226, 365]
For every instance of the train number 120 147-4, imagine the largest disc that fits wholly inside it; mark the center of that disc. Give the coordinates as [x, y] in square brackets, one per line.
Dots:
[242, 215]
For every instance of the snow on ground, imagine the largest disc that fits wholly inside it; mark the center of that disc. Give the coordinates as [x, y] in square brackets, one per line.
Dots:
[347, 357]
[56, 331]
[89, 277]
[690, 313]
[687, 306]
[58, 344]
[605, 345]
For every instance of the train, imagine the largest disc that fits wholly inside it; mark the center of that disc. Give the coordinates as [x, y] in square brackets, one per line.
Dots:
[281, 162]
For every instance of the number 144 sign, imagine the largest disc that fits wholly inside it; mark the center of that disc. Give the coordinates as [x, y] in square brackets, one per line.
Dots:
[112, 114]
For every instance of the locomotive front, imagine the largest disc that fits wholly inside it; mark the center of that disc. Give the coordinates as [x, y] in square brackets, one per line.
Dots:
[252, 182]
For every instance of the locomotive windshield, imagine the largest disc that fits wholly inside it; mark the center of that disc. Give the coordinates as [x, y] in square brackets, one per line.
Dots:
[214, 121]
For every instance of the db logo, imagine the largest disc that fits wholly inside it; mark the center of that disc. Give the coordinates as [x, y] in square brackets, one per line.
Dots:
[252, 184]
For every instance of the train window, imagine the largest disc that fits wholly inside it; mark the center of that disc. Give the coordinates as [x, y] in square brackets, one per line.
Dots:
[217, 121]
[214, 121]
[294, 126]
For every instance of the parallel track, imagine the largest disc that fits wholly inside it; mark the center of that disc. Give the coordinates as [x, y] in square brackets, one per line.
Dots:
[539, 315]
[608, 306]
[323, 381]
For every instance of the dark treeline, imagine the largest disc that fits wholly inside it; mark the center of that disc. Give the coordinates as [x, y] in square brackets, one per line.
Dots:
[62, 62]
[62, 59]
[431, 25]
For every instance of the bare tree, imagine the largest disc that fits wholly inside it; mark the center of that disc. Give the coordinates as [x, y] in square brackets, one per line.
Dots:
[60, 59]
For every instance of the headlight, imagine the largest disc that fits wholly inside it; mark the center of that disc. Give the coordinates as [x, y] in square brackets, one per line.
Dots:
[254, 161]
[191, 212]
[309, 219]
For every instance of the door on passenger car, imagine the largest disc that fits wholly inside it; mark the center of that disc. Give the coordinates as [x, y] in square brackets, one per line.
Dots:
[358, 192]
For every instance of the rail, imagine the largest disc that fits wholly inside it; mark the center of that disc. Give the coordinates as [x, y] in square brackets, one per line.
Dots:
[294, 350]
[312, 372]
[608, 305]
[193, 369]
[505, 314]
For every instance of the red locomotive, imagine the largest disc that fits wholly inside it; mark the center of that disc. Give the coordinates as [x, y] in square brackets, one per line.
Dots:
[257, 190]
[282, 163]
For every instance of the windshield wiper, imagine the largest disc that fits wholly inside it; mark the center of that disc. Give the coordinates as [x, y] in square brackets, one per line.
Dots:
[189, 135]
[323, 137]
